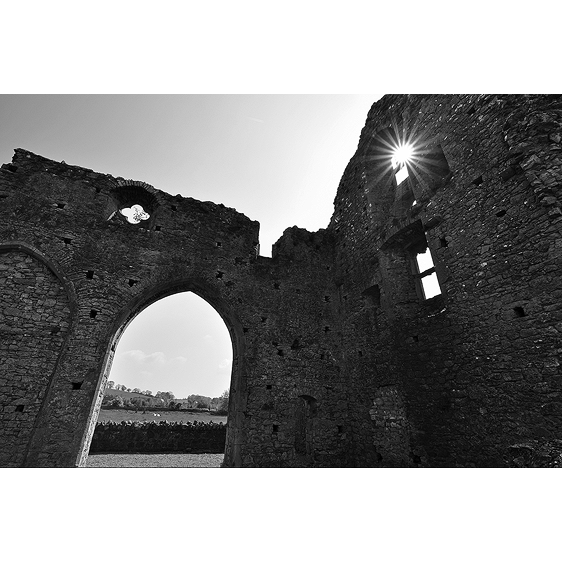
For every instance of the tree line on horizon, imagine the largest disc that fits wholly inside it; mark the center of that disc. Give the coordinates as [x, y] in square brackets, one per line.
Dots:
[163, 399]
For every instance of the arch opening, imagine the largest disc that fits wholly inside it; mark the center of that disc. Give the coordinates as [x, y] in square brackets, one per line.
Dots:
[169, 378]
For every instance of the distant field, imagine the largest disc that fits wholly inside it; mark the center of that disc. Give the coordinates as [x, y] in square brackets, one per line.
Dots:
[118, 416]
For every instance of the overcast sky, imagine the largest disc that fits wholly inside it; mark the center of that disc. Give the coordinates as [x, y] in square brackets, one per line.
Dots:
[277, 159]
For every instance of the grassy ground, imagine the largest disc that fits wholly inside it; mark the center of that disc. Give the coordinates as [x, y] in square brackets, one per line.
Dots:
[155, 461]
[118, 416]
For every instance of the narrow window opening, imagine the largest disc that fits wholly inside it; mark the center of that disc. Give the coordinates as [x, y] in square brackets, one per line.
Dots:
[326, 329]
[427, 275]
[327, 298]
[61, 205]
[19, 408]
[401, 174]
[360, 353]
[519, 311]
[93, 313]
[501, 213]
[275, 429]
[218, 244]
[76, 385]
[340, 429]
[263, 318]
[443, 242]
[471, 111]
[89, 274]
[415, 338]
[280, 352]
[478, 181]
[276, 286]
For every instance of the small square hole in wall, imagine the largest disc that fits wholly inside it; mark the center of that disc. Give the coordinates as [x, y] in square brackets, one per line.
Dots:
[89, 274]
[19, 408]
[158, 228]
[132, 282]
[268, 386]
[478, 181]
[174, 208]
[519, 311]
[67, 240]
[93, 313]
[275, 429]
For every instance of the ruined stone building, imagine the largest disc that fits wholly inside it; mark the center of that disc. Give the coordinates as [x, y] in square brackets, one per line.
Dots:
[422, 327]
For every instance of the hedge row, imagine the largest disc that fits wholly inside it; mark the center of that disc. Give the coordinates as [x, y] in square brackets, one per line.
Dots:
[158, 437]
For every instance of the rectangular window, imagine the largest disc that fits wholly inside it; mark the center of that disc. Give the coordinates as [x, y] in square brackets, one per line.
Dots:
[429, 283]
[401, 174]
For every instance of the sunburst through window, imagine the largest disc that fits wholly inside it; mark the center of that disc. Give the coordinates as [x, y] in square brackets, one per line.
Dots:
[400, 158]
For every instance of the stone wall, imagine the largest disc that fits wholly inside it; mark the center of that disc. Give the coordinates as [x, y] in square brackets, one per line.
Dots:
[162, 437]
[339, 359]
[477, 367]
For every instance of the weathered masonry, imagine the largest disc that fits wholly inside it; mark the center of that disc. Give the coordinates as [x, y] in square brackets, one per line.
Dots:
[422, 327]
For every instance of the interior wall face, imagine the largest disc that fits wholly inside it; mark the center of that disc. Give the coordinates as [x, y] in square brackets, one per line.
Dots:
[34, 322]
[339, 359]
[477, 368]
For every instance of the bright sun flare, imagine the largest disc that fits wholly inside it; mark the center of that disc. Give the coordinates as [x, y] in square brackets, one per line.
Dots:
[402, 155]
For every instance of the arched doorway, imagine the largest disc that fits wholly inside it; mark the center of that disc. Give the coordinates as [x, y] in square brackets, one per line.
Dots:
[177, 341]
